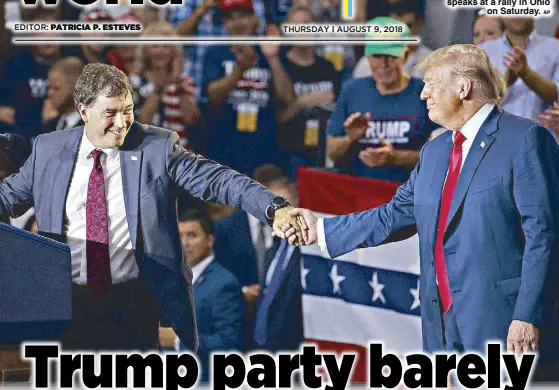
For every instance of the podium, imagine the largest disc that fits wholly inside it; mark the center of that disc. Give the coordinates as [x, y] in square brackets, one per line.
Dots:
[35, 287]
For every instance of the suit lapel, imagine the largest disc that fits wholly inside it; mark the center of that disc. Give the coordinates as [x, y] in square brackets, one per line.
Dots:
[62, 177]
[131, 164]
[437, 182]
[480, 146]
[203, 276]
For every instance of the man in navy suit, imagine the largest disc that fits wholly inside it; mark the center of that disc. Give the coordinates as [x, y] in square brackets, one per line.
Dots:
[218, 298]
[241, 244]
[484, 199]
[278, 324]
[109, 191]
[62, 77]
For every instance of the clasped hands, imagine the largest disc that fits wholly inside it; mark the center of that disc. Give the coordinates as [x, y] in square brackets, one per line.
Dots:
[297, 225]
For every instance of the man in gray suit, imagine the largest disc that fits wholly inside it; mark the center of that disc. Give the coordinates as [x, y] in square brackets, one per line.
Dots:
[108, 189]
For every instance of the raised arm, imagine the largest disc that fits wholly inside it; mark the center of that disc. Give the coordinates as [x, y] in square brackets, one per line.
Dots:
[213, 182]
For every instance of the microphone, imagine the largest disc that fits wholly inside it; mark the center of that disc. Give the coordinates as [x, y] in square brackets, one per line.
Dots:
[13, 141]
[6, 140]
[16, 147]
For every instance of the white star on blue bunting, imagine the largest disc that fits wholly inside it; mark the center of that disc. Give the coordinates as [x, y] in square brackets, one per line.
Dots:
[415, 293]
[336, 279]
[377, 289]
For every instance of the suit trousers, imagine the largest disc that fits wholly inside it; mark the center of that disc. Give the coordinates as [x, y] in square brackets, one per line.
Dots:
[125, 317]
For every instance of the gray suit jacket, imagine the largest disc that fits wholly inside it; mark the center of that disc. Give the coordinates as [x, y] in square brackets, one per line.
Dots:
[154, 165]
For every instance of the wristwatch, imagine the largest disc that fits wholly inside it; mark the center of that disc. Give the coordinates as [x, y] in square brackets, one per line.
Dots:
[277, 203]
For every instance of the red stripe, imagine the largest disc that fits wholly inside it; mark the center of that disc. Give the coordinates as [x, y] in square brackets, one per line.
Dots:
[334, 193]
[359, 374]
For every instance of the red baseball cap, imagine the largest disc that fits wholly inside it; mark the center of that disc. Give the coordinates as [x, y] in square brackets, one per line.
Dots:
[227, 5]
[96, 15]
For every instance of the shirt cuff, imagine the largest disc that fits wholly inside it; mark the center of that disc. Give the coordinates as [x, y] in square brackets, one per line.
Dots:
[177, 344]
[322, 237]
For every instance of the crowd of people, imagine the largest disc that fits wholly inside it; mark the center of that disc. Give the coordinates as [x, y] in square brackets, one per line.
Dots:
[264, 111]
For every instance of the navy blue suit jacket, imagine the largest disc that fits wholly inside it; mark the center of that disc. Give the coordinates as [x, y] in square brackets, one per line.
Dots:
[220, 314]
[501, 237]
[285, 316]
[234, 248]
[154, 166]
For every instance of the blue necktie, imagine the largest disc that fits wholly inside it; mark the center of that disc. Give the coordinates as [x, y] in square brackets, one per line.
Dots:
[261, 321]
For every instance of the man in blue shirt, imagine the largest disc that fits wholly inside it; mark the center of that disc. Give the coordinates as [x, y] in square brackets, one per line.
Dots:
[383, 143]
[242, 85]
[530, 63]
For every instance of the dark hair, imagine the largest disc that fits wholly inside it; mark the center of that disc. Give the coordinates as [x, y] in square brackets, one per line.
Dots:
[200, 216]
[39, 13]
[405, 7]
[267, 173]
[286, 183]
[100, 79]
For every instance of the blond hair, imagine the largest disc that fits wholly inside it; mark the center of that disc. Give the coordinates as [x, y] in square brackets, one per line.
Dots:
[155, 29]
[70, 67]
[298, 8]
[469, 62]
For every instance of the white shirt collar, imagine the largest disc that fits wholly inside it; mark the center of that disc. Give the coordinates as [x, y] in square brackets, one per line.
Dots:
[200, 267]
[87, 147]
[71, 119]
[472, 126]
[253, 221]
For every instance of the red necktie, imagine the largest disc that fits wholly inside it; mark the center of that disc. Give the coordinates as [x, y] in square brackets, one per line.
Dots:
[454, 165]
[557, 33]
[97, 227]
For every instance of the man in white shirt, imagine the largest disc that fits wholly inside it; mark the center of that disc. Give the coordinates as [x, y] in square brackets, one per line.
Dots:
[530, 64]
[484, 199]
[109, 189]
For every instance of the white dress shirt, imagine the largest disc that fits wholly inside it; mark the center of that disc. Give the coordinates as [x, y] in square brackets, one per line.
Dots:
[469, 131]
[196, 272]
[68, 121]
[254, 224]
[200, 267]
[123, 261]
[273, 264]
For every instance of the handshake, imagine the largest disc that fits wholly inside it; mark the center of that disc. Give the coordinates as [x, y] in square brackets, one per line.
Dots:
[297, 225]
